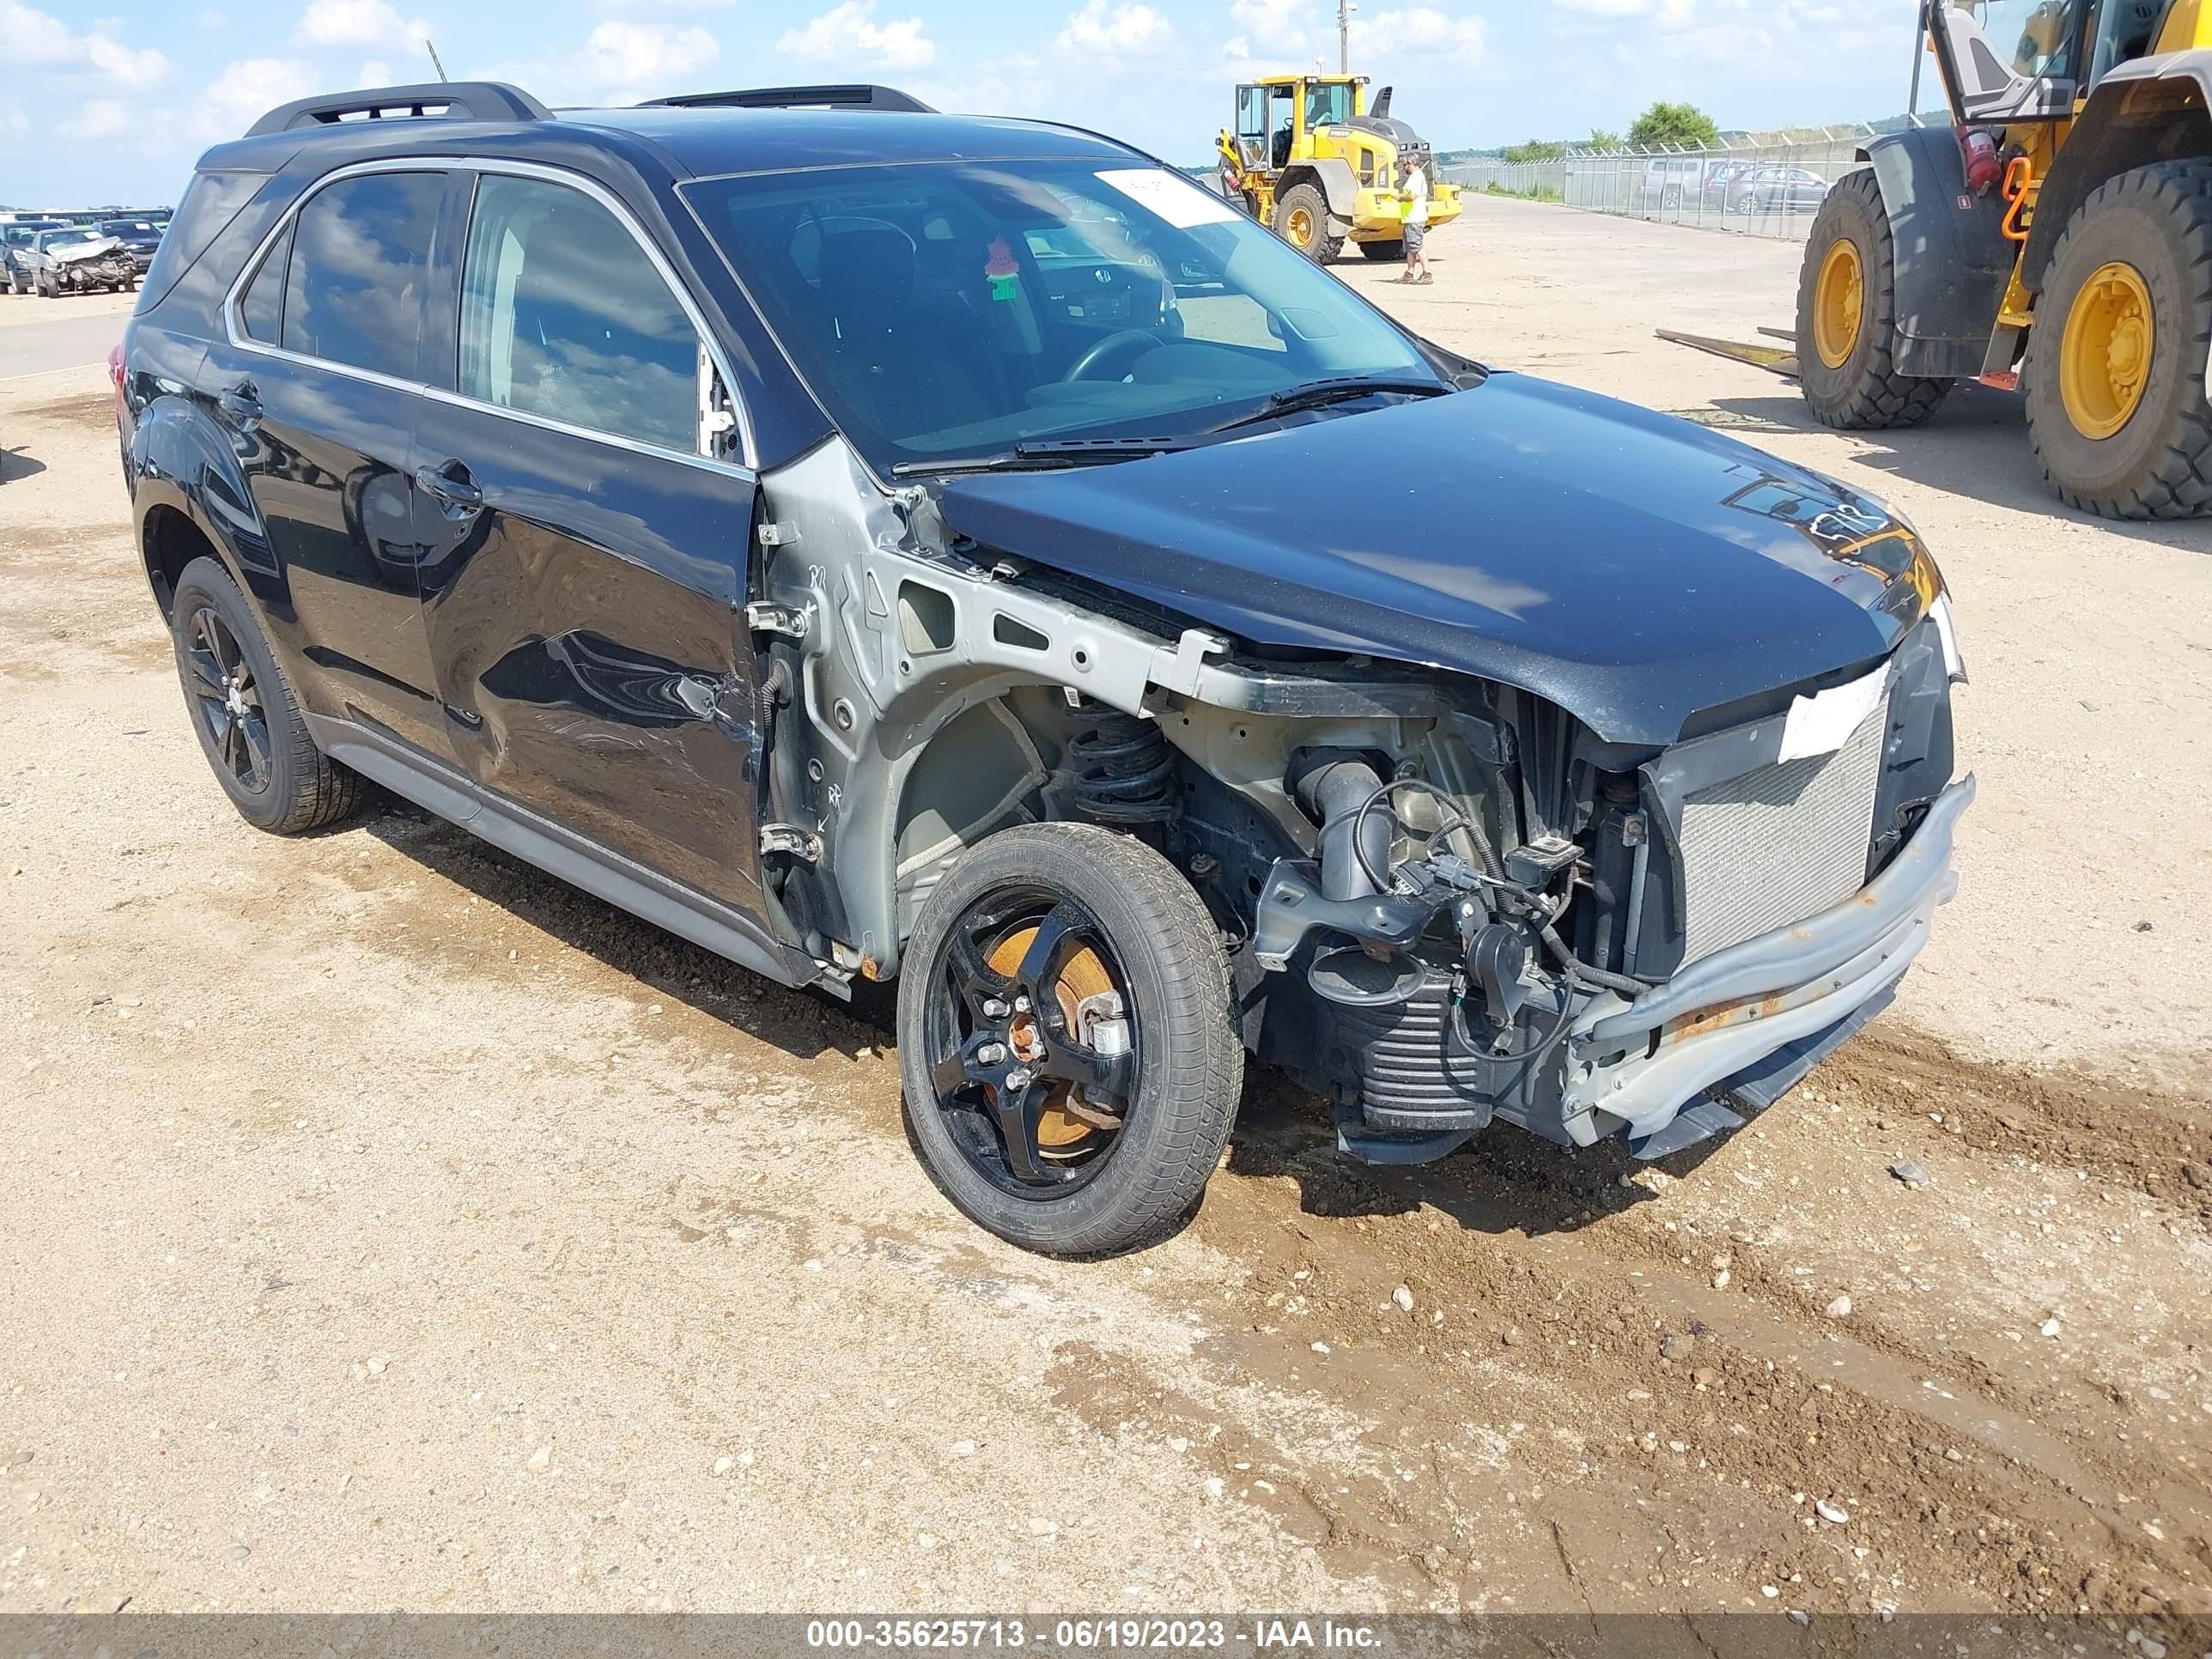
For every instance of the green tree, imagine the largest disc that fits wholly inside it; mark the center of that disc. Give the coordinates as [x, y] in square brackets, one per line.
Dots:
[1682, 125]
[1536, 149]
[1600, 139]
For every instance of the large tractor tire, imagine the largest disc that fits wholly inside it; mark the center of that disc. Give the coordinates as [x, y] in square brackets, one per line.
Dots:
[1847, 317]
[1379, 251]
[2116, 363]
[1302, 220]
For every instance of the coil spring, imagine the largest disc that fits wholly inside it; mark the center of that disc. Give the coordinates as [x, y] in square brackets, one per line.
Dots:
[1124, 772]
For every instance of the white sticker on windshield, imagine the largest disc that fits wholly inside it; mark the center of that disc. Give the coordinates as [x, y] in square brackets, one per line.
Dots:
[1822, 724]
[1178, 201]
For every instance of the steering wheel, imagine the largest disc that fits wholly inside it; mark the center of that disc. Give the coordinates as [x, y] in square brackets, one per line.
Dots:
[1121, 340]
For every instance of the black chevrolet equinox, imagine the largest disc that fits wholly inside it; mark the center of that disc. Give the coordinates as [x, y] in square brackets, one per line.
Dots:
[873, 543]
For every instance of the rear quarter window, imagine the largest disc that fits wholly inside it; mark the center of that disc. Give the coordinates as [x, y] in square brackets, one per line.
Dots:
[211, 201]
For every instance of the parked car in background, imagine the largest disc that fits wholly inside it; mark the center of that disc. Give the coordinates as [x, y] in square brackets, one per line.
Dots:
[140, 239]
[1719, 176]
[77, 259]
[1669, 182]
[14, 239]
[1774, 188]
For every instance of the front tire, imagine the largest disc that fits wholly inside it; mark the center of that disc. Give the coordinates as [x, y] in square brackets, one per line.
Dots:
[1847, 317]
[245, 713]
[1383, 251]
[1067, 1040]
[2116, 363]
[1302, 220]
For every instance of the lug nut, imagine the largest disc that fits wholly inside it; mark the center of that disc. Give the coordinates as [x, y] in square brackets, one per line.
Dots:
[991, 1054]
[1019, 1078]
[993, 1009]
[1021, 1005]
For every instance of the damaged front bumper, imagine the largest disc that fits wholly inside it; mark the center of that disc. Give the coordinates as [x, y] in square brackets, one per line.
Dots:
[1745, 1023]
[1752, 1019]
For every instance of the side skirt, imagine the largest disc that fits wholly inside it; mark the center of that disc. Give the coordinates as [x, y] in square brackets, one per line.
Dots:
[582, 863]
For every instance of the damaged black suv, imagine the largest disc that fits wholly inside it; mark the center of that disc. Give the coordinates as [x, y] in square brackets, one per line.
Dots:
[873, 542]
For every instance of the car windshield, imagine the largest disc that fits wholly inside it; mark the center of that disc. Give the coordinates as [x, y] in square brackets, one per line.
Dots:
[949, 309]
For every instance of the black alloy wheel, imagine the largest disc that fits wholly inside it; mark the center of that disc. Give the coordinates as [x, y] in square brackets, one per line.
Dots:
[1067, 1040]
[227, 701]
[1033, 1055]
[245, 713]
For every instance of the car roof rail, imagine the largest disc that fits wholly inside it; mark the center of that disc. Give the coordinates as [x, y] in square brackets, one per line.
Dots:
[452, 101]
[842, 97]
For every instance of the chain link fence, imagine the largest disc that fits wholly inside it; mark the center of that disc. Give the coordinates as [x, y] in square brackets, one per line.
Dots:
[1760, 186]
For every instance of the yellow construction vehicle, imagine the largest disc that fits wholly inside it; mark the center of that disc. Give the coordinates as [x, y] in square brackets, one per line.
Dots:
[2057, 239]
[1311, 161]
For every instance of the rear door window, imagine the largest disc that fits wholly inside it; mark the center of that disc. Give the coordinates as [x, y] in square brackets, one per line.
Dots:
[359, 269]
[564, 316]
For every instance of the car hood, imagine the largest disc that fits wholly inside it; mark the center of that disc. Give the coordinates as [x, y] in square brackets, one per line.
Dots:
[78, 252]
[1633, 568]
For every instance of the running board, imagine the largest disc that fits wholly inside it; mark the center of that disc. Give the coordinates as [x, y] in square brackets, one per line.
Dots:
[1773, 359]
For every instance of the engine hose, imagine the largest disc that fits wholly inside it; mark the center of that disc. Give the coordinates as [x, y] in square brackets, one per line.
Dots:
[1355, 846]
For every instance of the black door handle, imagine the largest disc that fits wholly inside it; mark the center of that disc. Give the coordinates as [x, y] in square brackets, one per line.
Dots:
[450, 485]
[242, 401]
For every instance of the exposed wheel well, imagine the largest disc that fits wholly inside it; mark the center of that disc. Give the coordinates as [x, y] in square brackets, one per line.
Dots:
[170, 541]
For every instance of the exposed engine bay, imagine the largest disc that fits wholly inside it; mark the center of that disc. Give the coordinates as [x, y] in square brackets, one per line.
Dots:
[1445, 900]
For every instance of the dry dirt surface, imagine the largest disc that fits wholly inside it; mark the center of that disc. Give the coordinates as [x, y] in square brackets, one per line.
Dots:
[387, 1225]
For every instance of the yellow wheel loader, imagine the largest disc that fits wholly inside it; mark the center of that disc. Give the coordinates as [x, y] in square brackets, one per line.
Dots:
[2058, 240]
[1311, 161]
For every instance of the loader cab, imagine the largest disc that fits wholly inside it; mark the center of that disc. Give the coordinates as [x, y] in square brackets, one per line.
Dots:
[2012, 60]
[1277, 117]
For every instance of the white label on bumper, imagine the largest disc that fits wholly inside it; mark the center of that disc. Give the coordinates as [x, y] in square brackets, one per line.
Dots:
[1822, 724]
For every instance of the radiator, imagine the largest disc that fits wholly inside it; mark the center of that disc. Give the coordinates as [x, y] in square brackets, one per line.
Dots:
[1779, 843]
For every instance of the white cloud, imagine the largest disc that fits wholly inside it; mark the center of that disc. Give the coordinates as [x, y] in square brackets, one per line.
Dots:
[31, 37]
[631, 62]
[245, 90]
[373, 72]
[1419, 29]
[1124, 30]
[357, 23]
[101, 117]
[850, 31]
[13, 119]
[1015, 85]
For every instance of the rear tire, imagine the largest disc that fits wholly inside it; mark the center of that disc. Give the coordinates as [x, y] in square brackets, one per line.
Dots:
[1304, 205]
[1382, 252]
[2155, 222]
[1862, 389]
[1185, 1062]
[277, 778]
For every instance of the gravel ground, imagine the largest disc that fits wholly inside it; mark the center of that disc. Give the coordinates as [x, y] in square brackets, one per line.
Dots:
[387, 1225]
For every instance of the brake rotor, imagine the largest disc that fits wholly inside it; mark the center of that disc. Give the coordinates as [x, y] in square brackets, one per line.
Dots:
[1061, 1133]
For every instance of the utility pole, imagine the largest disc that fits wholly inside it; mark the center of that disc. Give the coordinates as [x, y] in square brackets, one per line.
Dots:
[1343, 11]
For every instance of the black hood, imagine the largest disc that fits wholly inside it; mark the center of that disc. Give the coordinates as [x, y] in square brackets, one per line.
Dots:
[1631, 568]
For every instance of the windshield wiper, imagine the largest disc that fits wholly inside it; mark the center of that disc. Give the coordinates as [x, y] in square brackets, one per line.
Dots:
[1318, 394]
[1040, 454]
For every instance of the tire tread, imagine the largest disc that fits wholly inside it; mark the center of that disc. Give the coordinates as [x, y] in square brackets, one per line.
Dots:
[1881, 397]
[2178, 483]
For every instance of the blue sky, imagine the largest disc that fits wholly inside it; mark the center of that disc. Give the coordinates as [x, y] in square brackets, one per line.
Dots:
[111, 100]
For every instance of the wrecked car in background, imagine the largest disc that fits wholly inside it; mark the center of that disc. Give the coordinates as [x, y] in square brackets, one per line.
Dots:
[78, 260]
[736, 508]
